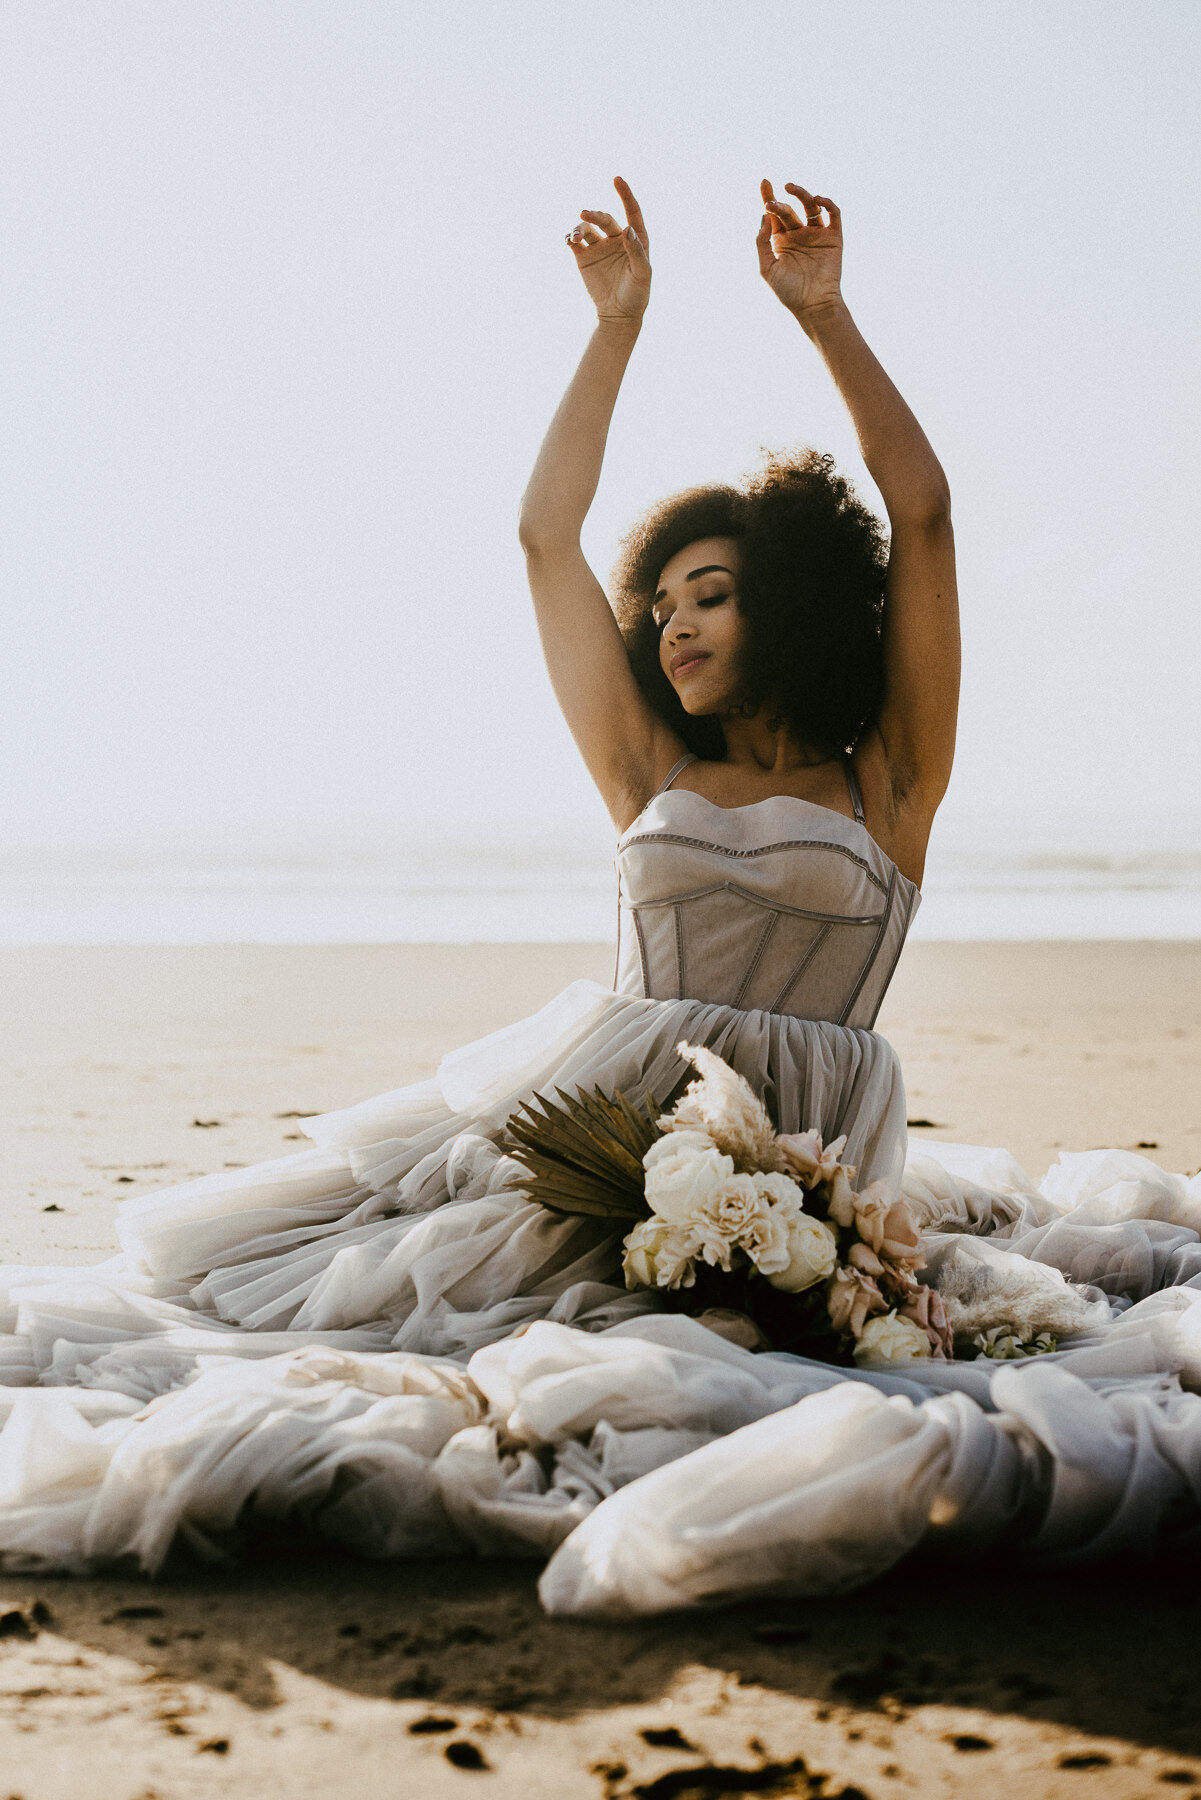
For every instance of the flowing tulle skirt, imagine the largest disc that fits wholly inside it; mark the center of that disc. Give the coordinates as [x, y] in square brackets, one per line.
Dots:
[382, 1339]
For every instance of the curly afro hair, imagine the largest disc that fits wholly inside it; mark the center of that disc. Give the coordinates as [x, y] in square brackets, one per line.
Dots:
[811, 591]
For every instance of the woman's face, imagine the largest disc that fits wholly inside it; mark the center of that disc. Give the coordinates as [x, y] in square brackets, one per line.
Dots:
[701, 629]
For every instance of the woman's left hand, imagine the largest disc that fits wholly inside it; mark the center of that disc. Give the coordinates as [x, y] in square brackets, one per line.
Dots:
[800, 259]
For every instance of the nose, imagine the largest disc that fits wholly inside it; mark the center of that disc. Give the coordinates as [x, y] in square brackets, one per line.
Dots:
[678, 628]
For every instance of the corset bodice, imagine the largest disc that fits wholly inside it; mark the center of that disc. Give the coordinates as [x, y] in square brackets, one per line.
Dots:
[783, 906]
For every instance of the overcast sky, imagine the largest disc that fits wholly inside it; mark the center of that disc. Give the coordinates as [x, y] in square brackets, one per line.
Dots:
[286, 307]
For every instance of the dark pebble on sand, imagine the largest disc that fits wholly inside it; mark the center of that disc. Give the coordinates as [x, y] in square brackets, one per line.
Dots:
[1086, 1759]
[967, 1740]
[429, 1726]
[464, 1755]
[665, 1737]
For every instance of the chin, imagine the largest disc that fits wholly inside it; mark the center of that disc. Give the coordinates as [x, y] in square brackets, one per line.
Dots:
[703, 706]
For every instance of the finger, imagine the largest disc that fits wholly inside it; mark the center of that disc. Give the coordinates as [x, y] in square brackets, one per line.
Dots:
[583, 236]
[606, 221]
[785, 213]
[821, 200]
[767, 255]
[633, 211]
[810, 202]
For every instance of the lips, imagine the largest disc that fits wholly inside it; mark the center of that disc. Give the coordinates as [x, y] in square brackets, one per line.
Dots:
[685, 661]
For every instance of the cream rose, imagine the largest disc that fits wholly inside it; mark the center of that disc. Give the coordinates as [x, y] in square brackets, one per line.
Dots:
[891, 1339]
[658, 1255]
[730, 1216]
[682, 1169]
[812, 1251]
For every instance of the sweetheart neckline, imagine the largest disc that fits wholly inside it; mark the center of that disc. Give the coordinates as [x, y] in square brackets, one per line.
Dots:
[750, 805]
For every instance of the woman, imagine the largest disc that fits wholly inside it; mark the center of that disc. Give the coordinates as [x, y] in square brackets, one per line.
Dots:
[385, 1338]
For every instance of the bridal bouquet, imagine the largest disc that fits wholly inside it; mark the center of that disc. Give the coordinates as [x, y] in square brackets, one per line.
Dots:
[759, 1233]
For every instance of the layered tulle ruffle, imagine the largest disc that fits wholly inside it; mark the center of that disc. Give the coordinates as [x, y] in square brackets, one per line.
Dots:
[383, 1339]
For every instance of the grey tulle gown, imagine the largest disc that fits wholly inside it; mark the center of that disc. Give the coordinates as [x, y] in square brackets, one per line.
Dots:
[380, 1339]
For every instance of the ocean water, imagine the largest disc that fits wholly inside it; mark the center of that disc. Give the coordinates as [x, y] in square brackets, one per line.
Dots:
[375, 888]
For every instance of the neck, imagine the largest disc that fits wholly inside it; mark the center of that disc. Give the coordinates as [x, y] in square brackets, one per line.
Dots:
[754, 744]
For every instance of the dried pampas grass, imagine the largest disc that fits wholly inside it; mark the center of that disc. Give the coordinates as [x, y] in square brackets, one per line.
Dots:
[725, 1107]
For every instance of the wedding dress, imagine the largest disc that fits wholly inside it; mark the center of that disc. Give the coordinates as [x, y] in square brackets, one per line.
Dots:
[382, 1339]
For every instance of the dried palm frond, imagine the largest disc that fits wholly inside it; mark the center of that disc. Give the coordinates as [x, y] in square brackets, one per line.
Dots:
[584, 1152]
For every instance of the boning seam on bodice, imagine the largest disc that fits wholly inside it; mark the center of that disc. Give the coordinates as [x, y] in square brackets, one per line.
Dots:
[875, 949]
[642, 961]
[808, 957]
[691, 843]
[772, 921]
[896, 956]
[680, 972]
[775, 906]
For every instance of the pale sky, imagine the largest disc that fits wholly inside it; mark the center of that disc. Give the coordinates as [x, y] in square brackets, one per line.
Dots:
[286, 307]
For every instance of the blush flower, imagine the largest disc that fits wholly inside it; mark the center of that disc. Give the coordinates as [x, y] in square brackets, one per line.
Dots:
[924, 1308]
[805, 1157]
[841, 1207]
[888, 1226]
[853, 1298]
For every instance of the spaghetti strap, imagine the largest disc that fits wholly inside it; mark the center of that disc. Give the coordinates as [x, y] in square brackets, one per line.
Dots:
[670, 777]
[853, 790]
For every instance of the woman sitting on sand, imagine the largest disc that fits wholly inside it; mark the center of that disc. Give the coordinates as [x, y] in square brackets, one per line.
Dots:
[770, 641]
[386, 1338]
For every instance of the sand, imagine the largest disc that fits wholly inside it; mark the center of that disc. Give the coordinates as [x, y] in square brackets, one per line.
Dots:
[312, 1675]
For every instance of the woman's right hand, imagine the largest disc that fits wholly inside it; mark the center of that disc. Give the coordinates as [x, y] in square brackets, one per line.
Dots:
[614, 261]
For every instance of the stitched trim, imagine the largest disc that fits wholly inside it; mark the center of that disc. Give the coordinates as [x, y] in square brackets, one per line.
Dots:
[679, 916]
[671, 837]
[760, 947]
[896, 957]
[808, 957]
[873, 952]
[773, 906]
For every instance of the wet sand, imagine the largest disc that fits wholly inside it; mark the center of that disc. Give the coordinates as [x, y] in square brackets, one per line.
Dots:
[301, 1673]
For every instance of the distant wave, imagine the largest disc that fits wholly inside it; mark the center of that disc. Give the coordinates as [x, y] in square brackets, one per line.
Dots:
[462, 892]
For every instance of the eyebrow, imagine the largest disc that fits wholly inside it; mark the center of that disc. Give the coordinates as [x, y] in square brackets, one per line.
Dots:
[695, 575]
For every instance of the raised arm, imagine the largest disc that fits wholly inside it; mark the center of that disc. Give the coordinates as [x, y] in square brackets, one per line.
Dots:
[626, 746]
[906, 762]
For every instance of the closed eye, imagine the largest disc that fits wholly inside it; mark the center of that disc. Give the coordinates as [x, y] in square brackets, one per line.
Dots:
[707, 601]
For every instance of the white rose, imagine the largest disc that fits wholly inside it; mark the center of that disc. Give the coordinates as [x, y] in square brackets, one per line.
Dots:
[889, 1339]
[682, 1170]
[812, 1253]
[658, 1255]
